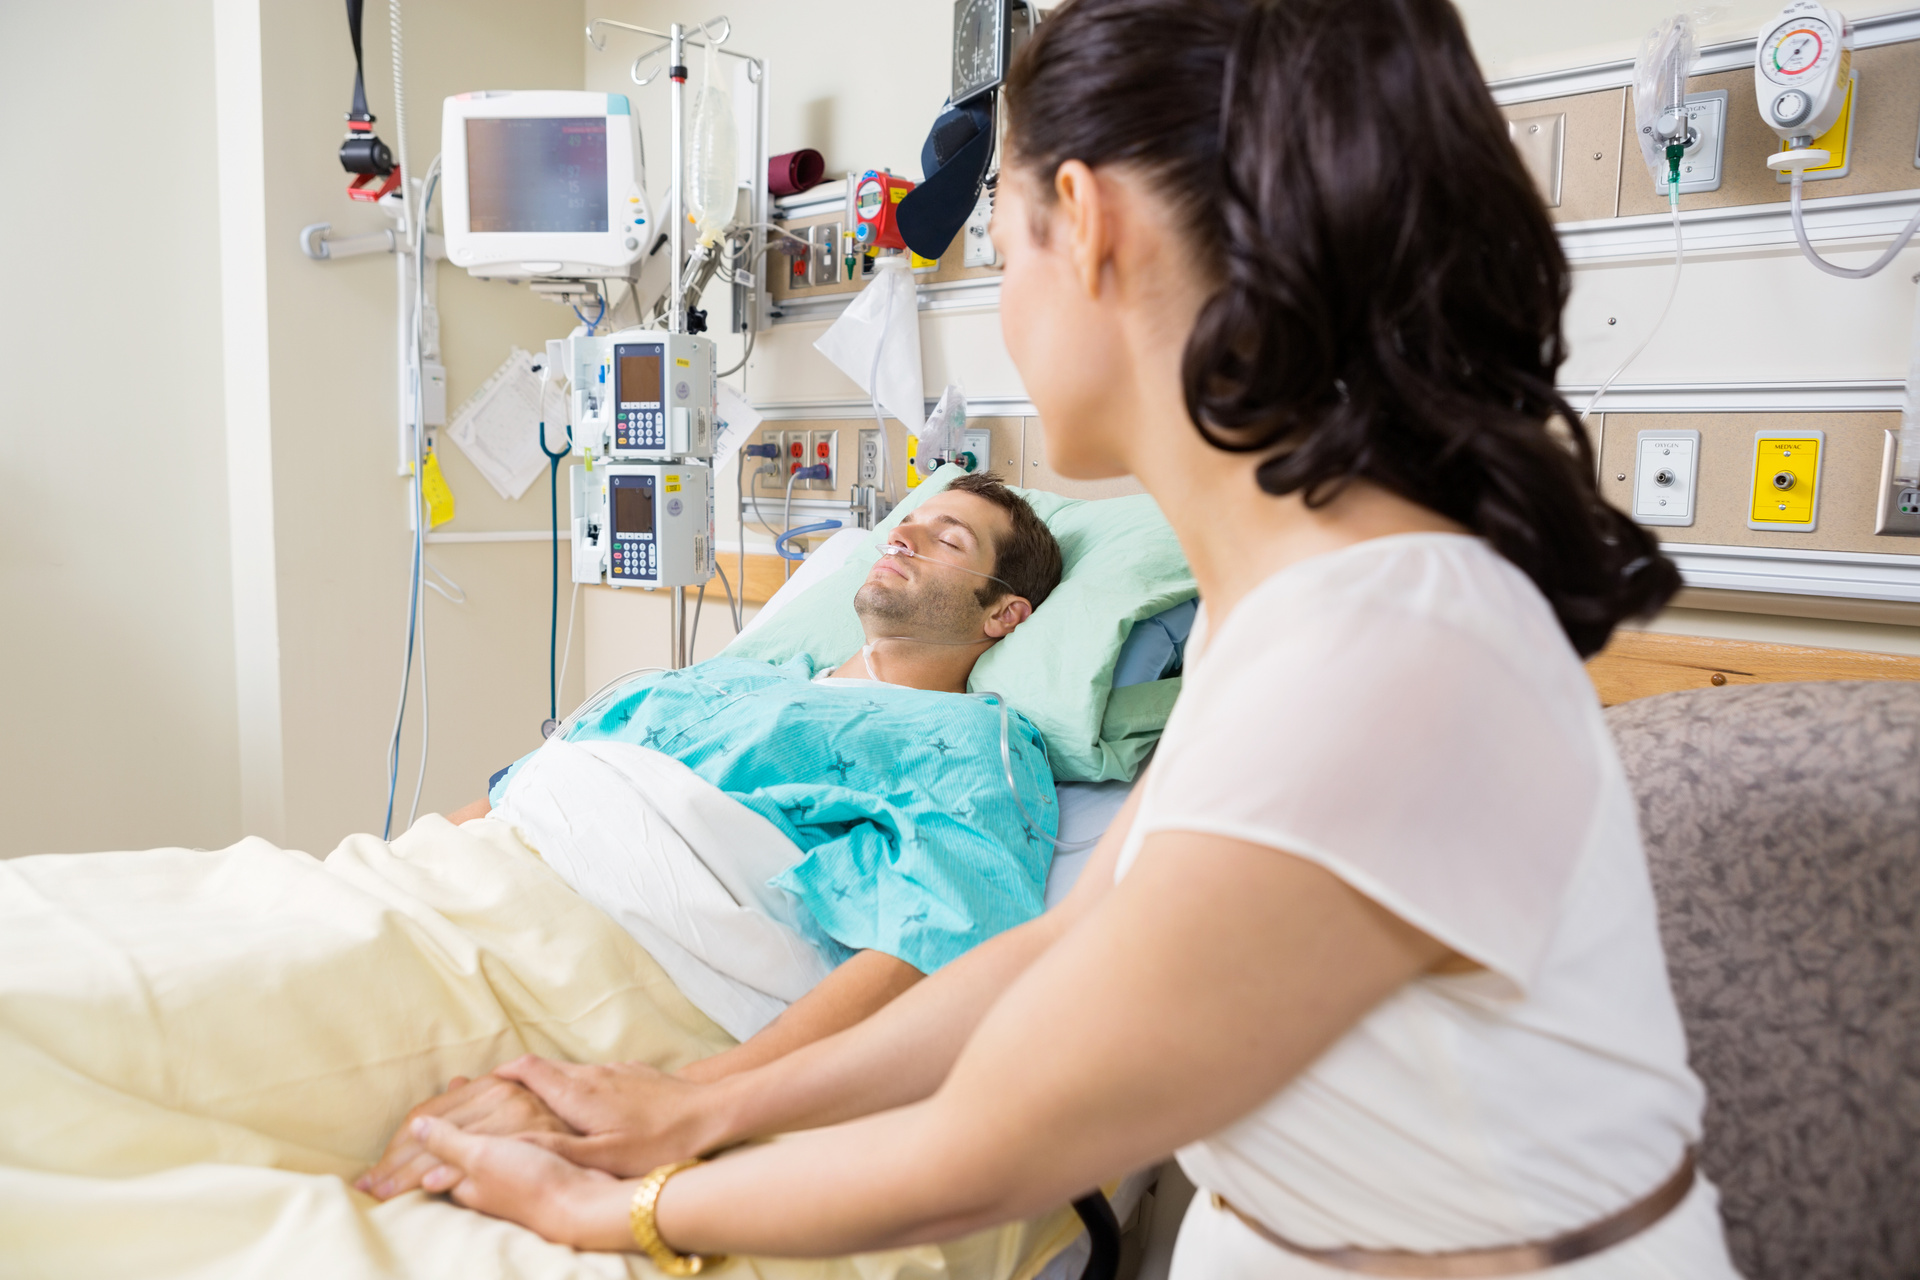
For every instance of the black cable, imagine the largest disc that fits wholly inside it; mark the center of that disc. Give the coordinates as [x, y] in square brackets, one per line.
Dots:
[360, 111]
[553, 613]
[1103, 1233]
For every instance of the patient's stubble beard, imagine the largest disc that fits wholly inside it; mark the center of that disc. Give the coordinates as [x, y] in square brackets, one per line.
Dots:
[934, 610]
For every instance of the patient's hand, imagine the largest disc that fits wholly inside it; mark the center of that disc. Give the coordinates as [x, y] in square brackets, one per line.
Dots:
[629, 1117]
[487, 1105]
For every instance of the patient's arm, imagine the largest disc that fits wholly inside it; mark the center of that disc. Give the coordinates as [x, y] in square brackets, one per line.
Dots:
[634, 1120]
[486, 1105]
[478, 809]
[854, 991]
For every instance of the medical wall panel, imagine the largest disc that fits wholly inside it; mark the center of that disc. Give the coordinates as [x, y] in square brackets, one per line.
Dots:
[1849, 475]
[1038, 475]
[1887, 106]
[1591, 129]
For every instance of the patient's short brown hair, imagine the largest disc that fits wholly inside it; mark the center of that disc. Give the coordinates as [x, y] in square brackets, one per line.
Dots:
[1028, 558]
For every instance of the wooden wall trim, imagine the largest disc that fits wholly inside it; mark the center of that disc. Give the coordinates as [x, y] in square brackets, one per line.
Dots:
[1638, 664]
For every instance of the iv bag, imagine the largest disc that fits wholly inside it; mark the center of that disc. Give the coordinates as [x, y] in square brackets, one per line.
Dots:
[710, 160]
[1667, 55]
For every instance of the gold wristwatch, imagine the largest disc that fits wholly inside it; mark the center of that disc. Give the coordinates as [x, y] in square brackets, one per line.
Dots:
[647, 1236]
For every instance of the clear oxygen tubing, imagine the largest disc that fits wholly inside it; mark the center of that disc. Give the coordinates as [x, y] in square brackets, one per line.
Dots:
[1900, 241]
[1679, 256]
[873, 396]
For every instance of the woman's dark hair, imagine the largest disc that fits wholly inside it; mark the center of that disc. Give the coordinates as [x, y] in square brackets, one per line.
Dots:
[1388, 286]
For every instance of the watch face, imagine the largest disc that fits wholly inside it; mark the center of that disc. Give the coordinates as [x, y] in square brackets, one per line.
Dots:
[979, 46]
[1799, 52]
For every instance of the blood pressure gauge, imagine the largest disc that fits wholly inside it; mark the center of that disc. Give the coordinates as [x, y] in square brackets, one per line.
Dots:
[986, 34]
[1800, 69]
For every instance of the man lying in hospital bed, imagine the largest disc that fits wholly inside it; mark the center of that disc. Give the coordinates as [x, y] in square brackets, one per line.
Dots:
[797, 847]
[196, 1049]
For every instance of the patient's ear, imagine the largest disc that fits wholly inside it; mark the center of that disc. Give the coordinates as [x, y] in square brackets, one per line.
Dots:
[1011, 613]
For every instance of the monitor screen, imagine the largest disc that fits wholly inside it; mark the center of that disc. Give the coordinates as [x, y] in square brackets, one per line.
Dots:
[633, 508]
[537, 174]
[640, 376]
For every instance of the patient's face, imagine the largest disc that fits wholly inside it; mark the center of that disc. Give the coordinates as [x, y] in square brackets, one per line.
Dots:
[925, 596]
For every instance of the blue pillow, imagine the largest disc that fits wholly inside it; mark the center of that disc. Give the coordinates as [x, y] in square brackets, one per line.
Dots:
[1156, 647]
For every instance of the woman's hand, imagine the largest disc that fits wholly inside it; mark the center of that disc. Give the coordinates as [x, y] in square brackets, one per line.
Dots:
[487, 1105]
[630, 1118]
[517, 1181]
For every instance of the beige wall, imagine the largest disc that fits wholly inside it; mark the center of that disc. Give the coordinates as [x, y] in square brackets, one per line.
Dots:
[116, 651]
[340, 510]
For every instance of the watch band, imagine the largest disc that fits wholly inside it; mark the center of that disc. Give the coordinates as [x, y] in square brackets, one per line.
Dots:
[646, 1235]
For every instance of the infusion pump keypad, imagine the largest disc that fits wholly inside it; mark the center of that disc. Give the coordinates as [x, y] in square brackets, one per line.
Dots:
[635, 427]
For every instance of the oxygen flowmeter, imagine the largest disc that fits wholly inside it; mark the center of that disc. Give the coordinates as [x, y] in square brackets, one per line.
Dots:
[1801, 68]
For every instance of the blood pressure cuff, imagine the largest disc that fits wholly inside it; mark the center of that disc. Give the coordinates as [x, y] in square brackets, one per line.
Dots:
[1123, 566]
[954, 158]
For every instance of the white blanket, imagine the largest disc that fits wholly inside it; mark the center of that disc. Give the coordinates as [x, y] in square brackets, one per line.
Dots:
[680, 866]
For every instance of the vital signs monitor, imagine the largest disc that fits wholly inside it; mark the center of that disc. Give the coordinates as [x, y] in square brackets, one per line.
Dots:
[543, 183]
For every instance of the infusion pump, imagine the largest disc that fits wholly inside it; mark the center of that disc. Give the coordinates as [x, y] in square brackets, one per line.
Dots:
[643, 393]
[643, 524]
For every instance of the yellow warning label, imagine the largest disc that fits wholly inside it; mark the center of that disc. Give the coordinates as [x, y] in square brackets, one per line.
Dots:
[434, 491]
[897, 193]
[684, 364]
[670, 488]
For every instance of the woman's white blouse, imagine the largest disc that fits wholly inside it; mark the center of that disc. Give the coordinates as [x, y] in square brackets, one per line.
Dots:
[1408, 714]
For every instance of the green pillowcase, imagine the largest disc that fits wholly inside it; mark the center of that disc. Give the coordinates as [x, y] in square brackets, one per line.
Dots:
[1123, 564]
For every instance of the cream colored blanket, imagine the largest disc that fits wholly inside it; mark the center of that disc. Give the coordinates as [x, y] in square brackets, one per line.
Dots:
[196, 1049]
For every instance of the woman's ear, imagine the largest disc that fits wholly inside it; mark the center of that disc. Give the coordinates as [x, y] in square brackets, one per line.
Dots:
[1001, 622]
[1080, 215]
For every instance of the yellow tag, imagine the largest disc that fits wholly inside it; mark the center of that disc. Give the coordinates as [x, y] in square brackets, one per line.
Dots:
[913, 455]
[433, 488]
[684, 364]
[898, 193]
[671, 479]
[670, 488]
[918, 263]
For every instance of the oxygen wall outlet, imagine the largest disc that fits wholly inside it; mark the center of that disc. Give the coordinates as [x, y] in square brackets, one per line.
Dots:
[1706, 144]
[1786, 481]
[979, 449]
[1666, 477]
[1898, 511]
[823, 259]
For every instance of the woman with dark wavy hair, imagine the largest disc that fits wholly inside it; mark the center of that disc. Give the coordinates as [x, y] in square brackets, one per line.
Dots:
[1372, 945]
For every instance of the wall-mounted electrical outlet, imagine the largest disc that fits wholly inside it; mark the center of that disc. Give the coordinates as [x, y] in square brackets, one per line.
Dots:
[869, 471]
[1898, 511]
[1786, 481]
[823, 447]
[1666, 476]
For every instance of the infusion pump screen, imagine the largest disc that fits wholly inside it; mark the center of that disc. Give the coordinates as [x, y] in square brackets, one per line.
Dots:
[641, 374]
[537, 174]
[633, 507]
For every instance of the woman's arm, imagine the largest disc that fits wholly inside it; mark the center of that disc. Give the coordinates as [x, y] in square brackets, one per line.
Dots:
[634, 1121]
[1211, 976]
[631, 1118]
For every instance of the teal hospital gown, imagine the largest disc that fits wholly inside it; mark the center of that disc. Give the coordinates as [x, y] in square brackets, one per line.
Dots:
[897, 798]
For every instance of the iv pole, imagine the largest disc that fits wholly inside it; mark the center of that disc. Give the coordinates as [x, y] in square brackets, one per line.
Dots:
[676, 49]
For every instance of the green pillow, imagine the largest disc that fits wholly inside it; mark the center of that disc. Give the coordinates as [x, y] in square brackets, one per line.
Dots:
[1123, 564]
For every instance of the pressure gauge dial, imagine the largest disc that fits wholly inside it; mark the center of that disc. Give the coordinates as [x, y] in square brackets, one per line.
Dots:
[1799, 50]
[980, 40]
[1801, 66]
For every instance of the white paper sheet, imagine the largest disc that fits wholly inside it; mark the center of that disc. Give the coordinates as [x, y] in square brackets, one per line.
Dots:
[498, 427]
[735, 421]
